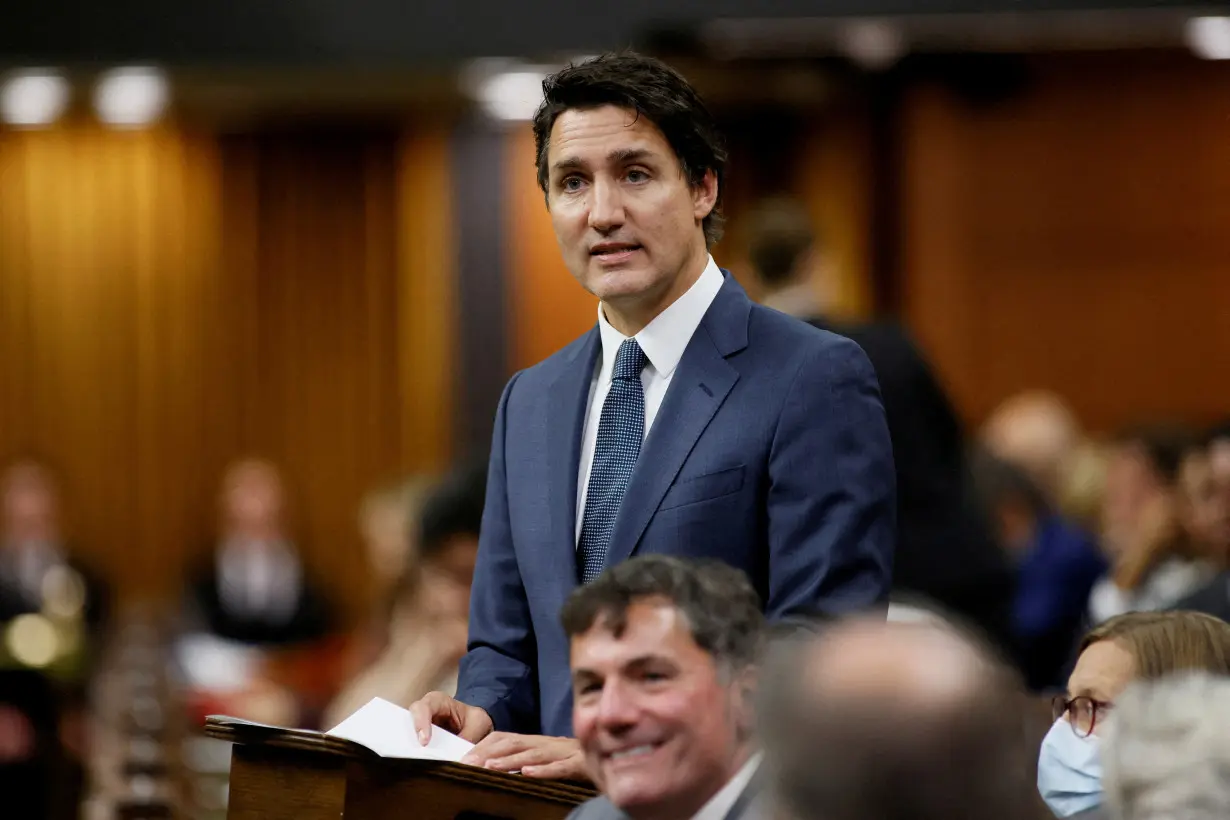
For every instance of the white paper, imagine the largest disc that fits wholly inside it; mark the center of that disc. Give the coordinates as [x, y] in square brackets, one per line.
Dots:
[388, 730]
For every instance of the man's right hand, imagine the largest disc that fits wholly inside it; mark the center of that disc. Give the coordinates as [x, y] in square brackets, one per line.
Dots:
[471, 723]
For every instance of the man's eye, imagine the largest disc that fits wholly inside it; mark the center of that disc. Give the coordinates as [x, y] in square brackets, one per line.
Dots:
[637, 176]
[571, 184]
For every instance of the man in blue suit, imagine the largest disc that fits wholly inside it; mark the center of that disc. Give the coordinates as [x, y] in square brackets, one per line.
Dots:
[689, 421]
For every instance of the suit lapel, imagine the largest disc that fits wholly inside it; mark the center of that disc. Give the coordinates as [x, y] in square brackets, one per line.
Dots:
[699, 387]
[566, 403]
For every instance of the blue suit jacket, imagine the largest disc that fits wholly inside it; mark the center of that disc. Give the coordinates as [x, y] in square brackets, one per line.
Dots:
[770, 451]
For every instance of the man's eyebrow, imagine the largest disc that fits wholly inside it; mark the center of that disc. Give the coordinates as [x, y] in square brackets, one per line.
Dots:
[618, 156]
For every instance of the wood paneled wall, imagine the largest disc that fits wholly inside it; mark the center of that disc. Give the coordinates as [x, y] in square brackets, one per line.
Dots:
[1076, 237]
[171, 301]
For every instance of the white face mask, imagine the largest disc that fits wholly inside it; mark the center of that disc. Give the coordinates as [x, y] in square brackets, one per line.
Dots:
[1069, 770]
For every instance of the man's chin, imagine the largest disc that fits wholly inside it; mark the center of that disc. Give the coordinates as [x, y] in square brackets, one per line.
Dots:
[630, 794]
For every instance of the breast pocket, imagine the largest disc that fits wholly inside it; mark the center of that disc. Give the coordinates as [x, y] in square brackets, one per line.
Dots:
[703, 488]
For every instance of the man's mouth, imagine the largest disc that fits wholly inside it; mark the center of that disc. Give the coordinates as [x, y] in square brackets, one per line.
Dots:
[633, 752]
[609, 250]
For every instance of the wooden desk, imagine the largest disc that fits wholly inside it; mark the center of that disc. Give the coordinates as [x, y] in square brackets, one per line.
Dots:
[309, 776]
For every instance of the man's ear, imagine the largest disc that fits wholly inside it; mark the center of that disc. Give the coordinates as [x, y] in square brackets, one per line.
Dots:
[743, 695]
[705, 195]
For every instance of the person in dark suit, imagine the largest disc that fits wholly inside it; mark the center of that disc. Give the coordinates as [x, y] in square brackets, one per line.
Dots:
[255, 589]
[689, 421]
[946, 545]
[664, 658]
[43, 697]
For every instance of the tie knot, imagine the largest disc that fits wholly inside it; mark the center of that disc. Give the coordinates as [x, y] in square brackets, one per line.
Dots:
[629, 361]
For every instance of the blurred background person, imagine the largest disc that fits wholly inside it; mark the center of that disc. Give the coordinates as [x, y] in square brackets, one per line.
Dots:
[38, 569]
[255, 590]
[256, 623]
[1167, 751]
[1138, 646]
[389, 519]
[1038, 432]
[1057, 565]
[1149, 526]
[52, 611]
[428, 614]
[1219, 457]
[1205, 509]
[945, 548]
[390, 524]
[875, 720]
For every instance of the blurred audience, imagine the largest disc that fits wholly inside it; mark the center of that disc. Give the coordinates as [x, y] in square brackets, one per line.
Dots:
[874, 720]
[1167, 752]
[388, 522]
[1138, 646]
[945, 548]
[1205, 477]
[38, 571]
[52, 615]
[255, 589]
[428, 610]
[1153, 529]
[1057, 564]
[1037, 432]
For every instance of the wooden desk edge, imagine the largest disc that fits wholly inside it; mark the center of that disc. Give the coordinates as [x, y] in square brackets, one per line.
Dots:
[316, 743]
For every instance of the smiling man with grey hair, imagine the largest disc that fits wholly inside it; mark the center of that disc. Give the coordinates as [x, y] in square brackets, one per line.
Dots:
[1167, 750]
[664, 659]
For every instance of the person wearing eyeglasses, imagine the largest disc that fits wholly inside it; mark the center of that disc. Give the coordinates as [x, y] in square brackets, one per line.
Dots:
[1127, 648]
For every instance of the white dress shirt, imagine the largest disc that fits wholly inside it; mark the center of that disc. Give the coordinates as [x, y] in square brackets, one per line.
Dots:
[721, 803]
[259, 581]
[663, 340]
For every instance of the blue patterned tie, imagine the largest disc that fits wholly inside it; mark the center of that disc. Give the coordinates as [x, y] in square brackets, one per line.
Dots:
[620, 430]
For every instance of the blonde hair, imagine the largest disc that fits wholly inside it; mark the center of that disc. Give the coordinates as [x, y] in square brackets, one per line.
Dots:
[406, 495]
[1162, 643]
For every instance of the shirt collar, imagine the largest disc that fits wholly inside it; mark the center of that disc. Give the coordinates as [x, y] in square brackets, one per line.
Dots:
[664, 339]
[720, 804]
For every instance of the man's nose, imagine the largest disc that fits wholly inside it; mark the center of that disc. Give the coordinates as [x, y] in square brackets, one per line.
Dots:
[617, 709]
[606, 210]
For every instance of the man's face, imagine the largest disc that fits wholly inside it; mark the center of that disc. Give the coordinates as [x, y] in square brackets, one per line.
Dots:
[1131, 486]
[28, 502]
[1205, 511]
[626, 218]
[662, 728]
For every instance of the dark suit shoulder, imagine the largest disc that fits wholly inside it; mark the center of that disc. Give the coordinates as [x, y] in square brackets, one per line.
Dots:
[567, 356]
[767, 323]
[599, 808]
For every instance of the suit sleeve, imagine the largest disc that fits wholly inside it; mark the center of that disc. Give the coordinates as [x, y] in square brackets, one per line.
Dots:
[832, 490]
[497, 672]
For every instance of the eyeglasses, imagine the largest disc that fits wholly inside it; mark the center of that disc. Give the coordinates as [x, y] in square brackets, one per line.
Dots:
[1083, 713]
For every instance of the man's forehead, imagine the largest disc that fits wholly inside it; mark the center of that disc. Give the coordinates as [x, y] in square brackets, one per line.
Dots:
[595, 134]
[647, 625]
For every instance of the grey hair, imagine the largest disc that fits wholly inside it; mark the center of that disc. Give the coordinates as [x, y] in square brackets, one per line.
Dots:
[718, 603]
[1167, 750]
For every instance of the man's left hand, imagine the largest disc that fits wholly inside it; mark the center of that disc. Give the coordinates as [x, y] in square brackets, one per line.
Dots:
[547, 758]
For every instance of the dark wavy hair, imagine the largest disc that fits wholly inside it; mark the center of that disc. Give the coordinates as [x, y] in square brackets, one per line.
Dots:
[653, 90]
